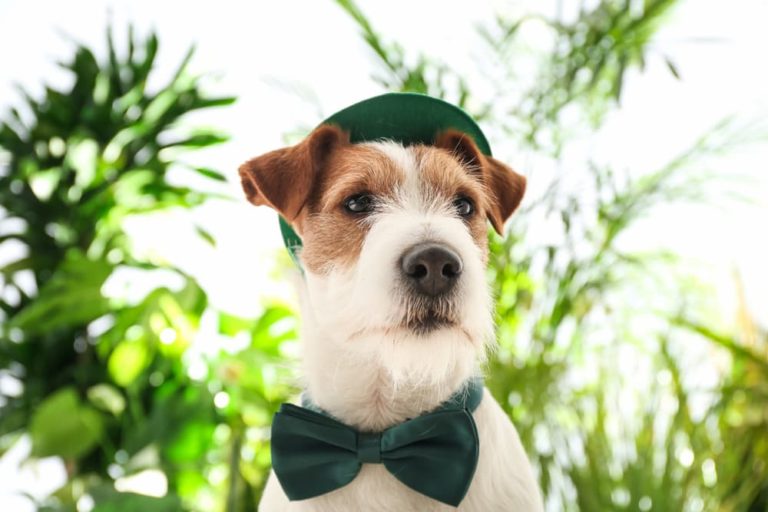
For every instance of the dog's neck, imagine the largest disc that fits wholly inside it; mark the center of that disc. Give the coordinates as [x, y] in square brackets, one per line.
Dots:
[362, 392]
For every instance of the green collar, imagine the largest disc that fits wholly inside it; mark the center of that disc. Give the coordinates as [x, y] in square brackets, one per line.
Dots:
[434, 454]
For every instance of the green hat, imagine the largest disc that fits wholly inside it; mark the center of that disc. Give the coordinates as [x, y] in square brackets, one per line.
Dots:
[407, 118]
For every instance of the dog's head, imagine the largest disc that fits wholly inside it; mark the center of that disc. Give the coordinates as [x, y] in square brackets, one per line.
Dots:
[394, 242]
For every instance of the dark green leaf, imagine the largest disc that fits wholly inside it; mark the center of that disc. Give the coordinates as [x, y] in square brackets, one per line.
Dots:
[199, 140]
[672, 67]
[210, 173]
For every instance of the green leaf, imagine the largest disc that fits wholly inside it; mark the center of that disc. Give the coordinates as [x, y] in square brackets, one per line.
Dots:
[107, 398]
[159, 106]
[231, 325]
[127, 361]
[86, 70]
[191, 443]
[114, 65]
[672, 67]
[210, 173]
[200, 140]
[18, 265]
[141, 69]
[205, 235]
[63, 426]
[213, 102]
[182, 69]
[71, 297]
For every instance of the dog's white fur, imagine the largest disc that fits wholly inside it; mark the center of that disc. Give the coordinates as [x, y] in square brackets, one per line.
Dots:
[372, 376]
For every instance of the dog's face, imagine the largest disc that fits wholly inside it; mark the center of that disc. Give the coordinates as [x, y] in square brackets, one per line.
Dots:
[394, 242]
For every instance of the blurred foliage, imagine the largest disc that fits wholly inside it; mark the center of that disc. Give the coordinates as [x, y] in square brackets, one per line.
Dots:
[108, 384]
[596, 362]
[602, 438]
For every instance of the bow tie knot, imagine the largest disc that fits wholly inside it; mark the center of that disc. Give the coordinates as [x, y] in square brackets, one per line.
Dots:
[369, 447]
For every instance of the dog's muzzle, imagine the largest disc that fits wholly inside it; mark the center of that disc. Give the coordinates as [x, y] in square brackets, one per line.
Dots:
[431, 269]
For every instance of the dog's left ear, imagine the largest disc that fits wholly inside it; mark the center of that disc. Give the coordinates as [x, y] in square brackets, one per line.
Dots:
[505, 187]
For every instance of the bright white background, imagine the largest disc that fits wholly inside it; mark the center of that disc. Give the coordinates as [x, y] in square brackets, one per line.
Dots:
[267, 52]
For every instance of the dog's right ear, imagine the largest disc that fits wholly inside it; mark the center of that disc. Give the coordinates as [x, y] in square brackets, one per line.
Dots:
[283, 179]
[505, 187]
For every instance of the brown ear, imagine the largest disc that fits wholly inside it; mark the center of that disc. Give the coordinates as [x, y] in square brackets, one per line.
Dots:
[504, 186]
[283, 179]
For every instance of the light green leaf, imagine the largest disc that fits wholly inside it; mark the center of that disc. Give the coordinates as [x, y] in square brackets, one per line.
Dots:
[107, 398]
[205, 235]
[160, 105]
[232, 325]
[63, 426]
[82, 156]
[43, 183]
[127, 361]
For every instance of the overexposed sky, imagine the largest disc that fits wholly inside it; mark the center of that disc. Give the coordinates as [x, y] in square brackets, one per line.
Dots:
[291, 63]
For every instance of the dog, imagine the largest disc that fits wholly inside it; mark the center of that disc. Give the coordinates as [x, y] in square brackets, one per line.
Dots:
[396, 310]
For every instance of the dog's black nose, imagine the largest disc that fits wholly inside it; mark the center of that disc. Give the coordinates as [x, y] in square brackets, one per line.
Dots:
[433, 269]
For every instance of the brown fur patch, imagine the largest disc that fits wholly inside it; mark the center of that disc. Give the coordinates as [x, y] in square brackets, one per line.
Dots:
[333, 236]
[282, 179]
[504, 187]
[444, 178]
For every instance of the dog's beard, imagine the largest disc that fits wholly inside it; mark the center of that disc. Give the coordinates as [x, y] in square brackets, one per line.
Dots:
[423, 315]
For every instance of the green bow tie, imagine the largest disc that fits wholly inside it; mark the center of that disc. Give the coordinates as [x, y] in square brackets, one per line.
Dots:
[434, 454]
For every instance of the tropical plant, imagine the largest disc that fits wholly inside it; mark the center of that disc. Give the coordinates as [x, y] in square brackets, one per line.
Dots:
[105, 382]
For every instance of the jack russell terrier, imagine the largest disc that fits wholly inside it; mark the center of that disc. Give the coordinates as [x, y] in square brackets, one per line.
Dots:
[388, 201]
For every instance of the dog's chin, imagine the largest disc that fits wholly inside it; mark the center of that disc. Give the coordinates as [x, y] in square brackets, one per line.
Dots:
[417, 329]
[428, 324]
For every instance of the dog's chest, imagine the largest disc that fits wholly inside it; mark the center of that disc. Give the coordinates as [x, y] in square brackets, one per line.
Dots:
[374, 489]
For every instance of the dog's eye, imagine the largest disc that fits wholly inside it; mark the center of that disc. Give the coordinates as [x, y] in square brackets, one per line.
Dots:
[359, 203]
[464, 206]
